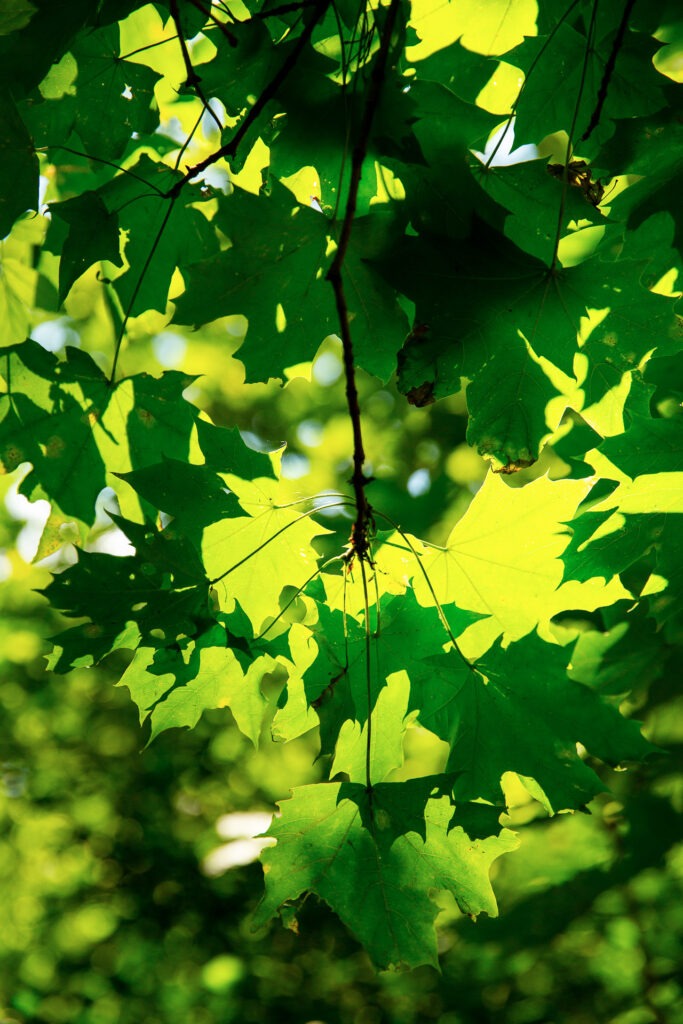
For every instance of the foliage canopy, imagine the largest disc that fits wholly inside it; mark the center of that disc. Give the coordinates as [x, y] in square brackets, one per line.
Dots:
[301, 171]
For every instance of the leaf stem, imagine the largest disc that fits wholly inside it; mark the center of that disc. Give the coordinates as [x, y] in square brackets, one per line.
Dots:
[149, 46]
[100, 160]
[437, 603]
[138, 285]
[265, 543]
[321, 568]
[368, 679]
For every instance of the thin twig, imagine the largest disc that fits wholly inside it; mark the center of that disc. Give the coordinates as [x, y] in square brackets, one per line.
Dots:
[276, 12]
[210, 16]
[304, 515]
[297, 592]
[228, 150]
[100, 160]
[513, 109]
[609, 70]
[359, 481]
[193, 79]
[149, 46]
[269, 93]
[570, 138]
[430, 586]
[138, 285]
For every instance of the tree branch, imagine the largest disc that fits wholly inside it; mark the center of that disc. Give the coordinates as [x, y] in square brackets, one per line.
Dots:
[276, 12]
[193, 80]
[609, 70]
[210, 16]
[269, 93]
[359, 481]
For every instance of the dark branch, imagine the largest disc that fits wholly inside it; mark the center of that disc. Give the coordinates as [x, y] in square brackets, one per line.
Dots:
[570, 138]
[193, 80]
[609, 70]
[269, 93]
[276, 12]
[210, 16]
[359, 481]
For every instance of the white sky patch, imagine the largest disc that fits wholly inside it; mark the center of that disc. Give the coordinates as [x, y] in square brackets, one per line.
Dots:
[33, 514]
[243, 829]
[53, 335]
[294, 466]
[243, 824]
[112, 540]
[310, 433]
[169, 348]
[327, 368]
[418, 483]
[505, 154]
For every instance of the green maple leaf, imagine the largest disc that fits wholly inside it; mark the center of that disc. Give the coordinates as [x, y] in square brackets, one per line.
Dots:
[519, 711]
[173, 686]
[288, 303]
[648, 147]
[535, 199]
[389, 722]
[194, 496]
[332, 841]
[16, 14]
[249, 278]
[626, 658]
[159, 592]
[336, 680]
[162, 232]
[122, 88]
[237, 74]
[638, 320]
[26, 55]
[475, 301]
[479, 308]
[225, 451]
[648, 446]
[641, 516]
[462, 71]
[441, 193]
[503, 559]
[18, 166]
[67, 420]
[91, 234]
[557, 74]
[253, 557]
[507, 423]
[49, 413]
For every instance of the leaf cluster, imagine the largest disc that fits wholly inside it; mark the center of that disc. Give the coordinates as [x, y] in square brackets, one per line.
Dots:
[341, 174]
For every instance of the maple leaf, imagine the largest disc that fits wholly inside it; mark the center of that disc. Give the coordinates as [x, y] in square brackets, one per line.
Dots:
[377, 883]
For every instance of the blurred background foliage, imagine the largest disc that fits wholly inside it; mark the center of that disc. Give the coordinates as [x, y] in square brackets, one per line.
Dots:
[127, 875]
